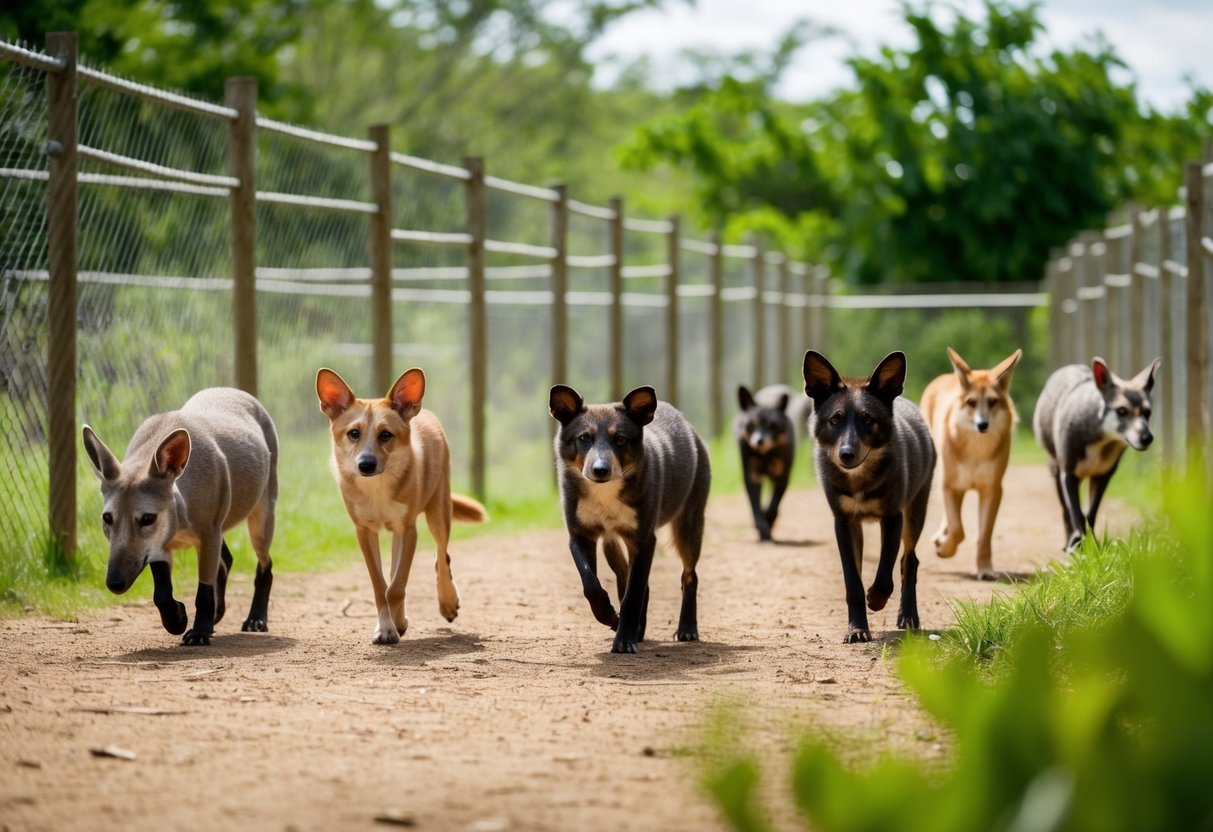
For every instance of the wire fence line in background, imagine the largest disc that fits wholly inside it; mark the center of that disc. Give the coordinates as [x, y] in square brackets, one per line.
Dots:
[192, 244]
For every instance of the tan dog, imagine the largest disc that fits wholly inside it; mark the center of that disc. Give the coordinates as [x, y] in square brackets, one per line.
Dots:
[392, 463]
[972, 419]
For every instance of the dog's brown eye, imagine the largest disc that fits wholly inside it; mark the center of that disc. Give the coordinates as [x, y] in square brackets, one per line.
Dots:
[620, 440]
[1122, 412]
[867, 419]
[1145, 413]
[992, 403]
[354, 435]
[146, 520]
[836, 419]
[970, 402]
[585, 439]
[385, 436]
[107, 519]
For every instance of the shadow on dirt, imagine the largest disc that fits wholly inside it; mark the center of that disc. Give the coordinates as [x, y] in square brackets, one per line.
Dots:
[231, 646]
[690, 662]
[415, 652]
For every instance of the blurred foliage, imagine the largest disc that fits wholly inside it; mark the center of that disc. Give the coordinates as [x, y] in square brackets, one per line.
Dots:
[962, 158]
[1087, 726]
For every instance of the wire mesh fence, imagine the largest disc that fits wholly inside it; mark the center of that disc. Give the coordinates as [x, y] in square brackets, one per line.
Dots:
[156, 314]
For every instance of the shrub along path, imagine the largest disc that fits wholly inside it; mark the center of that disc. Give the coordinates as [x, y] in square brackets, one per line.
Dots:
[514, 717]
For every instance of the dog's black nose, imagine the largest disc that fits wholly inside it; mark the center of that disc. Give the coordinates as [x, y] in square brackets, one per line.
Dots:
[601, 469]
[115, 584]
[982, 427]
[846, 454]
[1146, 438]
[367, 465]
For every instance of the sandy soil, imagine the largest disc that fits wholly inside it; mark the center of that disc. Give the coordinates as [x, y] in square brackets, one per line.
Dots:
[514, 717]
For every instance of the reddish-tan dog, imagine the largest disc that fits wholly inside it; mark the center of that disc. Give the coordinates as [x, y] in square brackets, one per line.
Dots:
[972, 419]
[392, 463]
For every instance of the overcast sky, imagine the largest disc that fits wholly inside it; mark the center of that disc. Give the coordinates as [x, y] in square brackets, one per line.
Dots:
[1160, 40]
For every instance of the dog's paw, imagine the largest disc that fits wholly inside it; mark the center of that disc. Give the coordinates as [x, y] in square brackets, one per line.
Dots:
[255, 625]
[449, 609]
[604, 611]
[878, 595]
[857, 635]
[1073, 543]
[987, 575]
[618, 646]
[385, 636]
[687, 635]
[196, 638]
[946, 545]
[175, 620]
[907, 622]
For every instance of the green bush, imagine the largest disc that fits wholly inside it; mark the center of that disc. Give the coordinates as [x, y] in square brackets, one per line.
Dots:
[1106, 727]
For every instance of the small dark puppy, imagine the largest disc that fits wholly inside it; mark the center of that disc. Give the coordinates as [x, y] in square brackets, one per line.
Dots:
[1085, 418]
[768, 427]
[624, 470]
[875, 459]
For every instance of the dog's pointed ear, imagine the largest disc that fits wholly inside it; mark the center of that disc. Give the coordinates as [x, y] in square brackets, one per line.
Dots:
[406, 394]
[744, 397]
[334, 394]
[172, 456]
[961, 367]
[1145, 379]
[105, 464]
[565, 403]
[640, 405]
[821, 380]
[889, 378]
[1104, 377]
[1005, 369]
[783, 402]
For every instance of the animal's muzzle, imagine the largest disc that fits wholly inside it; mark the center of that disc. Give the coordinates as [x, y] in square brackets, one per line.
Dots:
[368, 466]
[982, 425]
[600, 470]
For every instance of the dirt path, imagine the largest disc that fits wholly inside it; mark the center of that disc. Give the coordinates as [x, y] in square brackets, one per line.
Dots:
[516, 717]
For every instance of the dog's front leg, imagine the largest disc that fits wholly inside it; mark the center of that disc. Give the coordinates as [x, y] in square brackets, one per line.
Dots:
[1097, 487]
[385, 631]
[404, 546]
[779, 488]
[585, 558]
[987, 512]
[890, 541]
[857, 616]
[210, 556]
[172, 612]
[952, 532]
[1068, 485]
[753, 490]
[635, 600]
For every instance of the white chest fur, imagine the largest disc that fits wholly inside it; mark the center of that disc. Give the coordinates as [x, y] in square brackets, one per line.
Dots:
[1099, 457]
[599, 506]
[375, 503]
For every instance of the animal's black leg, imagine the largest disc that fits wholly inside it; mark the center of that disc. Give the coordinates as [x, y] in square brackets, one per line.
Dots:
[907, 615]
[857, 616]
[753, 490]
[644, 615]
[688, 626]
[1097, 488]
[204, 617]
[777, 492]
[1077, 526]
[225, 566]
[585, 558]
[631, 611]
[258, 614]
[172, 611]
[890, 542]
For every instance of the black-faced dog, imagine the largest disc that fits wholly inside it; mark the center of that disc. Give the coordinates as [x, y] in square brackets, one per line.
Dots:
[1085, 418]
[625, 469]
[768, 427]
[875, 459]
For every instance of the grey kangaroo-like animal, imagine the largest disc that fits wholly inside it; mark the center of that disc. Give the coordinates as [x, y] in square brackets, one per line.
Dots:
[189, 476]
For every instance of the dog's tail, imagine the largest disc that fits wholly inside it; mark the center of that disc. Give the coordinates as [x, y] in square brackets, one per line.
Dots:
[466, 510]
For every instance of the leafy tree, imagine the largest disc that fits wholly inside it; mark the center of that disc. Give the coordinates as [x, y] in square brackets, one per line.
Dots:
[965, 157]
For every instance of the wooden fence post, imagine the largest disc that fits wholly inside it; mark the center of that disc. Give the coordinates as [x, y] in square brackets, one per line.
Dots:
[716, 334]
[1116, 324]
[381, 259]
[477, 220]
[241, 95]
[758, 339]
[1168, 394]
[560, 285]
[62, 215]
[671, 313]
[1138, 298]
[1053, 287]
[823, 292]
[1196, 428]
[616, 283]
[784, 322]
[1097, 272]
